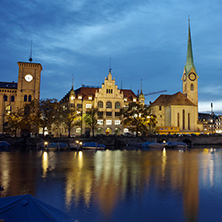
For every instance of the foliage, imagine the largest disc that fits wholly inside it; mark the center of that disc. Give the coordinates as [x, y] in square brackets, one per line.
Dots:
[137, 118]
[91, 118]
[69, 118]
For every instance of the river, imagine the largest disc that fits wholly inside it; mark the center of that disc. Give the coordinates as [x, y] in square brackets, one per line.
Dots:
[120, 185]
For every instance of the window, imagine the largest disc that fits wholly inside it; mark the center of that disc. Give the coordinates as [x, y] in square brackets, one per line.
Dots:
[117, 122]
[108, 113]
[117, 114]
[125, 99]
[5, 98]
[8, 110]
[90, 97]
[25, 98]
[72, 105]
[134, 99]
[100, 104]
[108, 122]
[88, 106]
[79, 97]
[117, 105]
[100, 121]
[100, 114]
[109, 91]
[30, 98]
[192, 87]
[79, 105]
[160, 108]
[108, 104]
[12, 98]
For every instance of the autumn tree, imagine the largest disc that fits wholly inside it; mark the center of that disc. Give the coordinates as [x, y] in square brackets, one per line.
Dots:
[91, 119]
[136, 117]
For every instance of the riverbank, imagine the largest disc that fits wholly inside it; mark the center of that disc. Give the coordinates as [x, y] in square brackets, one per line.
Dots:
[116, 142]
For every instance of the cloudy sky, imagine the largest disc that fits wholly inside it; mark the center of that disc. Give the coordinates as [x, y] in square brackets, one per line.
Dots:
[145, 39]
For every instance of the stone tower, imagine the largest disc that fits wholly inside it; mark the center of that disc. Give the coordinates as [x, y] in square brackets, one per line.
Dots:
[29, 77]
[190, 77]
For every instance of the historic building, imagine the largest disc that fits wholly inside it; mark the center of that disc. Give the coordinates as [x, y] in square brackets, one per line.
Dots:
[108, 99]
[179, 112]
[15, 95]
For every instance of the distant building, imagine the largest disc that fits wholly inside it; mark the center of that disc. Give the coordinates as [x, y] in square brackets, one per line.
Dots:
[108, 99]
[180, 110]
[15, 95]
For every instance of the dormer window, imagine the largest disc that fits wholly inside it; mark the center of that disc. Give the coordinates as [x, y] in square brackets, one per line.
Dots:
[134, 99]
[72, 97]
[125, 99]
[90, 97]
[79, 97]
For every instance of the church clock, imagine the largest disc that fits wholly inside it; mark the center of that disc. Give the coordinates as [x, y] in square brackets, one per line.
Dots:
[192, 76]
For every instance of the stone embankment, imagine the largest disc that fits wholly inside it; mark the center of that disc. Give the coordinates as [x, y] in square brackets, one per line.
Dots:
[115, 142]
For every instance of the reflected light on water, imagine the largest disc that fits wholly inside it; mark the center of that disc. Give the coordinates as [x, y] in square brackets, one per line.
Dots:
[45, 164]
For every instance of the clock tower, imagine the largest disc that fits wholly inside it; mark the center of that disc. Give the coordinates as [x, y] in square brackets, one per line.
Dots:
[29, 77]
[190, 77]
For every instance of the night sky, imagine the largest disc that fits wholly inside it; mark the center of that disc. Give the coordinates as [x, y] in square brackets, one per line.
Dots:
[146, 40]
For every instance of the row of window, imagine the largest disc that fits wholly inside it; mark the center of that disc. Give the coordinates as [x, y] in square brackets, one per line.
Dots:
[108, 122]
[109, 105]
[10, 91]
[101, 113]
[5, 97]
[27, 98]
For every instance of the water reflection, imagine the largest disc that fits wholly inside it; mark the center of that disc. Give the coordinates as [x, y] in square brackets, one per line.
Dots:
[108, 182]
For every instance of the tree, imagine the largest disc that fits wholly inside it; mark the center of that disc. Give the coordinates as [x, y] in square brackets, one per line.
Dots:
[137, 118]
[69, 118]
[91, 118]
[43, 113]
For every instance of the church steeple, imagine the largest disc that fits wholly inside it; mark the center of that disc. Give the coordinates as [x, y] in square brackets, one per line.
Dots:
[189, 63]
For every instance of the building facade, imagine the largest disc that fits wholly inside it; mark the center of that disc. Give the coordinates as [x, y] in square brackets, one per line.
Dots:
[14, 96]
[108, 99]
[180, 110]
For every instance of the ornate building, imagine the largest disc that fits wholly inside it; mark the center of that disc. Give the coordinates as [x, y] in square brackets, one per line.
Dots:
[180, 110]
[108, 99]
[15, 95]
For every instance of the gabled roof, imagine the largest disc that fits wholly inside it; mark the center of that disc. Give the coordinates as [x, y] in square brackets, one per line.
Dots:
[128, 93]
[175, 99]
[8, 85]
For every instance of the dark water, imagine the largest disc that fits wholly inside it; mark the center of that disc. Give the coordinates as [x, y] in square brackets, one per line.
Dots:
[120, 185]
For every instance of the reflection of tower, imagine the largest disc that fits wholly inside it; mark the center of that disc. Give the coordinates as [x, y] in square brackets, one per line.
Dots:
[191, 188]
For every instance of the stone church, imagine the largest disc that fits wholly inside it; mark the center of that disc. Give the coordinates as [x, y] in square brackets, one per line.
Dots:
[179, 112]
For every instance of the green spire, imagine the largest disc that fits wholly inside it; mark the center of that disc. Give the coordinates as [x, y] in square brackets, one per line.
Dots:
[189, 62]
[141, 92]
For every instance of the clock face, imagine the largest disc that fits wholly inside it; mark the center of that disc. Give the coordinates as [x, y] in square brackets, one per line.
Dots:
[192, 76]
[28, 78]
[184, 77]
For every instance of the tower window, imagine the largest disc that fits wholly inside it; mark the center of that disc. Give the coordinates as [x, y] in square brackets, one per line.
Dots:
[5, 98]
[30, 98]
[192, 87]
[25, 98]
[12, 98]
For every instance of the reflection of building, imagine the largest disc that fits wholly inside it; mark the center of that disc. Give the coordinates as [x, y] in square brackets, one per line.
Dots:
[180, 109]
[15, 95]
[108, 100]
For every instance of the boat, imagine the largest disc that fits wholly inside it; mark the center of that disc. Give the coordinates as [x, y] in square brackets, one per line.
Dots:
[55, 146]
[176, 145]
[153, 145]
[93, 146]
[4, 145]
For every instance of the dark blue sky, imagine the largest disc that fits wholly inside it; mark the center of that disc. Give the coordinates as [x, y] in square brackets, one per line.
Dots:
[145, 39]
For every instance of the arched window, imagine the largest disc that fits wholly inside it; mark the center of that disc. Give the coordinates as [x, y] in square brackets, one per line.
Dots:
[30, 98]
[12, 98]
[5, 98]
[100, 104]
[108, 104]
[117, 105]
[25, 98]
[192, 87]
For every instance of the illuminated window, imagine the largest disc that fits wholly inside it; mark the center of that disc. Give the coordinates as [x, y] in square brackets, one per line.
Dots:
[100, 104]
[8, 110]
[79, 97]
[117, 122]
[88, 106]
[108, 122]
[90, 97]
[134, 100]
[100, 121]
[108, 104]
[117, 105]
[125, 99]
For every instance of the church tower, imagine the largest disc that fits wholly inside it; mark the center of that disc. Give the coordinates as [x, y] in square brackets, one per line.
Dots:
[190, 77]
